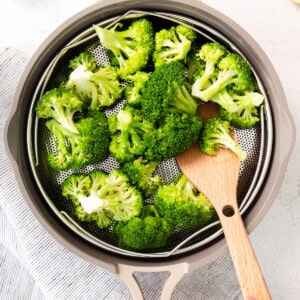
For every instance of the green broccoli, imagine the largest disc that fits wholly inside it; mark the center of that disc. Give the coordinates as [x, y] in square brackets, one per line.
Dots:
[133, 90]
[209, 54]
[167, 91]
[140, 174]
[246, 115]
[102, 198]
[97, 86]
[173, 44]
[74, 151]
[85, 60]
[195, 65]
[61, 105]
[182, 205]
[175, 134]
[127, 129]
[148, 231]
[132, 47]
[217, 133]
[232, 71]
[225, 100]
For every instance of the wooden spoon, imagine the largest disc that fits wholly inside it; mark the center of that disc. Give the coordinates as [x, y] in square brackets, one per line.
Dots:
[217, 177]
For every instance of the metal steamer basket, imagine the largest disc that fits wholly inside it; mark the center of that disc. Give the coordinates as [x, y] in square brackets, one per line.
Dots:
[268, 144]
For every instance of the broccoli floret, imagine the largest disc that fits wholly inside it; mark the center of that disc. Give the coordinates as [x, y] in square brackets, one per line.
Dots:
[209, 54]
[108, 87]
[182, 205]
[246, 115]
[102, 198]
[61, 159]
[61, 105]
[74, 151]
[175, 134]
[133, 90]
[84, 59]
[195, 65]
[132, 47]
[149, 231]
[225, 100]
[232, 71]
[173, 44]
[97, 86]
[128, 128]
[140, 174]
[167, 91]
[216, 134]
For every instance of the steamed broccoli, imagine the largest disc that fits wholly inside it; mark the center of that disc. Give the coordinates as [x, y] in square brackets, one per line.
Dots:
[232, 71]
[61, 105]
[209, 54]
[195, 65]
[217, 133]
[182, 205]
[148, 231]
[132, 47]
[74, 151]
[173, 44]
[246, 114]
[127, 129]
[174, 135]
[167, 91]
[140, 174]
[85, 60]
[102, 198]
[133, 90]
[225, 100]
[97, 86]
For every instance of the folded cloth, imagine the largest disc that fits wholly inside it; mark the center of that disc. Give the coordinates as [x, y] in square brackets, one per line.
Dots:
[35, 266]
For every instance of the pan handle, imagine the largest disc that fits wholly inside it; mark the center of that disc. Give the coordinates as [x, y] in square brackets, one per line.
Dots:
[12, 137]
[176, 273]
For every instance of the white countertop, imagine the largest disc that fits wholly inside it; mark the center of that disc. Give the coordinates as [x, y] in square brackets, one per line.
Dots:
[275, 25]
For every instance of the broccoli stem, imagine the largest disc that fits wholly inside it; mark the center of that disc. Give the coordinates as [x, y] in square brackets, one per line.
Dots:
[209, 70]
[189, 190]
[225, 78]
[139, 127]
[117, 42]
[224, 99]
[65, 117]
[105, 190]
[125, 119]
[174, 48]
[183, 101]
[149, 211]
[91, 203]
[135, 139]
[129, 129]
[181, 183]
[168, 54]
[227, 141]
[249, 99]
[58, 136]
[124, 141]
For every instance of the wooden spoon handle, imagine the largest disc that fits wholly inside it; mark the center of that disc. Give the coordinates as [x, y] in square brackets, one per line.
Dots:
[245, 262]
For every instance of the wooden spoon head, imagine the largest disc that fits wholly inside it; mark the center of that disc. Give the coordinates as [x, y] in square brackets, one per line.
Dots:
[215, 176]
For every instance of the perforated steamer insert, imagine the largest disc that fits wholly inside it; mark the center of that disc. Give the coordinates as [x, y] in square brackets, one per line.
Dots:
[257, 142]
